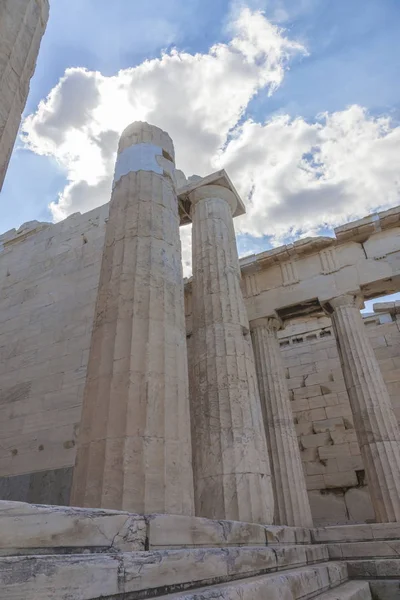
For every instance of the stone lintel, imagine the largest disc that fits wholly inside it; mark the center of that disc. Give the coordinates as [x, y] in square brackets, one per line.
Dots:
[301, 309]
[387, 307]
[298, 249]
[220, 178]
[272, 321]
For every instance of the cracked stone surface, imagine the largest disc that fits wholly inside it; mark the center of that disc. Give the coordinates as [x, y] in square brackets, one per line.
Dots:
[86, 577]
[230, 457]
[54, 528]
[134, 448]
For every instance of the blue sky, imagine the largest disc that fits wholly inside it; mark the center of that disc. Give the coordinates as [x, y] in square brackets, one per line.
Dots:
[287, 160]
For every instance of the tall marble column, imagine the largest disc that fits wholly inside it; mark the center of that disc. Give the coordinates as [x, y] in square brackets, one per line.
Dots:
[374, 419]
[22, 25]
[134, 447]
[231, 466]
[292, 506]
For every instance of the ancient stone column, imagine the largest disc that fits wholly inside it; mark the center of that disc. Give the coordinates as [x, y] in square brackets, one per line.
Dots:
[231, 466]
[292, 506]
[134, 449]
[22, 25]
[374, 419]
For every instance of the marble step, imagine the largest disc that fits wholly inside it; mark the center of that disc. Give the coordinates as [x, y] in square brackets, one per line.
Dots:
[39, 529]
[352, 590]
[150, 570]
[379, 568]
[295, 584]
[370, 549]
[356, 533]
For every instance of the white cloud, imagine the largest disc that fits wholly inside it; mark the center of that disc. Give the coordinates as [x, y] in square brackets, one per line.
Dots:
[197, 98]
[300, 177]
[296, 176]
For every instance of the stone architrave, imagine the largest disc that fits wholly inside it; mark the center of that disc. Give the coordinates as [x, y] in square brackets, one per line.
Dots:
[292, 505]
[374, 419]
[134, 447]
[231, 466]
[22, 25]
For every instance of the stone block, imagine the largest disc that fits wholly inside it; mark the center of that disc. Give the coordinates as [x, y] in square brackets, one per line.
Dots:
[333, 387]
[301, 370]
[168, 531]
[315, 482]
[309, 454]
[321, 468]
[374, 569]
[84, 577]
[299, 405]
[346, 463]
[327, 508]
[343, 436]
[333, 451]
[317, 402]
[45, 487]
[359, 505]
[27, 528]
[340, 410]
[295, 382]
[315, 440]
[341, 479]
[317, 414]
[331, 425]
[305, 428]
[307, 392]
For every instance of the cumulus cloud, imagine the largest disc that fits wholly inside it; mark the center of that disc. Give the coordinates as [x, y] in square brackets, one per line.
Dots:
[296, 176]
[197, 98]
[300, 177]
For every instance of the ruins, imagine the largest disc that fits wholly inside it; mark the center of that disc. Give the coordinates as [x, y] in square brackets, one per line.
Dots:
[233, 435]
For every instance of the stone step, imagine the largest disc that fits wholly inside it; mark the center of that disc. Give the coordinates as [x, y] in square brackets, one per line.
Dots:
[39, 529]
[379, 568]
[359, 550]
[352, 590]
[385, 590]
[356, 533]
[151, 570]
[295, 584]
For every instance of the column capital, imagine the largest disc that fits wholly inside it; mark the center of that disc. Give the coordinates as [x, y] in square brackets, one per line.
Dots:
[273, 323]
[216, 185]
[208, 192]
[350, 300]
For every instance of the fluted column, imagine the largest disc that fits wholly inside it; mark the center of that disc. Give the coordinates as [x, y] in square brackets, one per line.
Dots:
[292, 506]
[22, 25]
[231, 466]
[374, 419]
[134, 448]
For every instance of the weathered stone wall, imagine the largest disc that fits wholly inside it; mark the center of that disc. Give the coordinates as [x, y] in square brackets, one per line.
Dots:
[49, 278]
[330, 453]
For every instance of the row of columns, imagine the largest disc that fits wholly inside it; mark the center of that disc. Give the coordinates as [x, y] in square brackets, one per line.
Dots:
[135, 451]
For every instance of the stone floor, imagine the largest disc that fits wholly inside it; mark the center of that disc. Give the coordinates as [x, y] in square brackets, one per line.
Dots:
[57, 553]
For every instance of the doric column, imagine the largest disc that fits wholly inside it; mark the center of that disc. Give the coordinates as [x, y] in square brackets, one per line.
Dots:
[374, 419]
[134, 449]
[292, 506]
[22, 25]
[232, 474]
